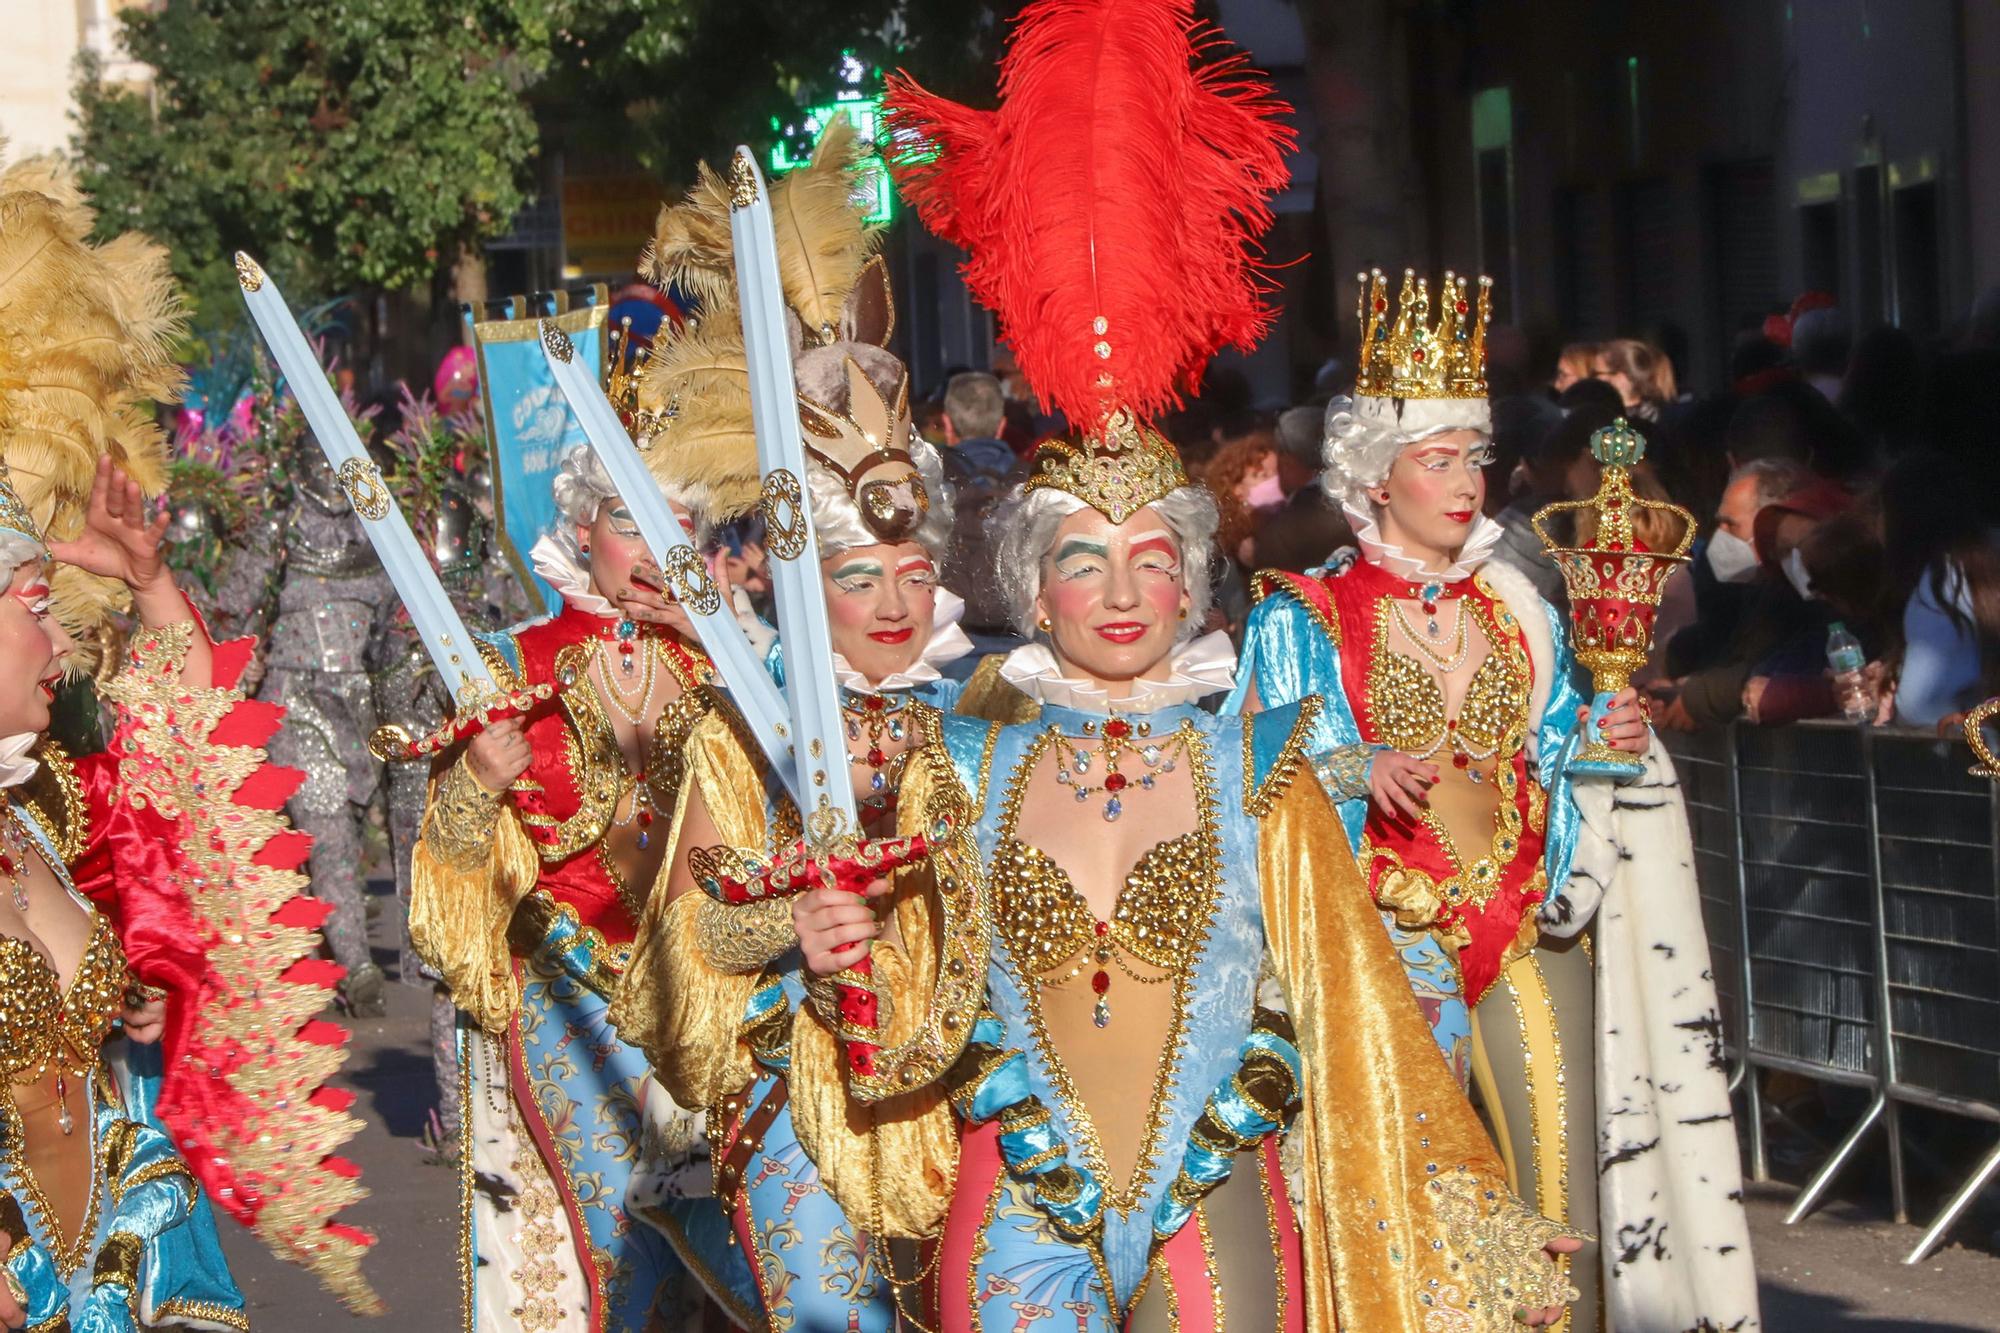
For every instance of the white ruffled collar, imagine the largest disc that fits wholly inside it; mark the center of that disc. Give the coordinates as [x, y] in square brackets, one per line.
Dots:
[1479, 544]
[15, 766]
[1199, 668]
[553, 561]
[947, 644]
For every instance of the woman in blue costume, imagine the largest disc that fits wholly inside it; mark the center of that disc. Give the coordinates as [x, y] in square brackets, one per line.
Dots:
[718, 994]
[1451, 713]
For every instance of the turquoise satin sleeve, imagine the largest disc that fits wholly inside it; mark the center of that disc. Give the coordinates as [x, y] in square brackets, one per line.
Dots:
[1208, 1162]
[1288, 656]
[48, 1294]
[993, 1083]
[1559, 737]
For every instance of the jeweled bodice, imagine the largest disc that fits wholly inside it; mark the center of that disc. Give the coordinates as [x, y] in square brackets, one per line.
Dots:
[1046, 922]
[1407, 699]
[45, 1027]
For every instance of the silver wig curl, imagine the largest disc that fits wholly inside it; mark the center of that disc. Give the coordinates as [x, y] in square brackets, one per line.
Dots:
[837, 521]
[1365, 434]
[1024, 528]
[582, 485]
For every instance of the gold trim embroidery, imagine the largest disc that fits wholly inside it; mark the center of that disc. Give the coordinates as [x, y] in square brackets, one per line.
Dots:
[67, 1253]
[69, 834]
[1259, 798]
[1204, 882]
[1269, 582]
[459, 825]
[745, 938]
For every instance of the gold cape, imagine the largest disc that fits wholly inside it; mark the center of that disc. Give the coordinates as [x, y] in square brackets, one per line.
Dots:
[1407, 1223]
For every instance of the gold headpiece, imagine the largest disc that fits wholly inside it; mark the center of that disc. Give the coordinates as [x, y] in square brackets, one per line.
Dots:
[867, 448]
[1411, 357]
[1118, 472]
[87, 332]
[625, 370]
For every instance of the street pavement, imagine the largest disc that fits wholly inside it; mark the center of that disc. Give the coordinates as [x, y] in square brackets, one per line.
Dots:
[1840, 1271]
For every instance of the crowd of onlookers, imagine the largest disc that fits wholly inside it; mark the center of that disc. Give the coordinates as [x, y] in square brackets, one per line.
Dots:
[1837, 479]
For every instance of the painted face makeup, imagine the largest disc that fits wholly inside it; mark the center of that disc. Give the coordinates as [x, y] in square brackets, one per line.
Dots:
[1432, 495]
[881, 603]
[619, 562]
[1112, 597]
[30, 643]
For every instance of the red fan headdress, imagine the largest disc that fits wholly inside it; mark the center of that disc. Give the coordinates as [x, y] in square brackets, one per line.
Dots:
[1111, 208]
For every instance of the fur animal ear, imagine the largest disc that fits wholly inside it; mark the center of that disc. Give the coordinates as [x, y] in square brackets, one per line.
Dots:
[869, 315]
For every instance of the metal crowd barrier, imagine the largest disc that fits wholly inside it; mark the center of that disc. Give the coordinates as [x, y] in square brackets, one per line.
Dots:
[1850, 880]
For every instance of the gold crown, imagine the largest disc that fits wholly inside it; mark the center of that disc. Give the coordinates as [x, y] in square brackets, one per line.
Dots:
[1118, 472]
[858, 444]
[625, 367]
[1411, 357]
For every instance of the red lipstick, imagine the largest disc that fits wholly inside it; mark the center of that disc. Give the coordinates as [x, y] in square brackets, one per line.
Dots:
[1122, 631]
[891, 636]
[1460, 516]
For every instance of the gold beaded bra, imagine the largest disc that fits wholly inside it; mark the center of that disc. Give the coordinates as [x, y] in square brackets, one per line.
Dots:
[1046, 922]
[44, 1027]
[1407, 703]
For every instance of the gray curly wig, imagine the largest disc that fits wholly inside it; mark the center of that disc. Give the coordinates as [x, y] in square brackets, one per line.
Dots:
[582, 485]
[1024, 528]
[1365, 434]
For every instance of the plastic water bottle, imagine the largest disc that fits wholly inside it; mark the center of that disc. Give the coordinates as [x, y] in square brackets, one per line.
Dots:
[1846, 660]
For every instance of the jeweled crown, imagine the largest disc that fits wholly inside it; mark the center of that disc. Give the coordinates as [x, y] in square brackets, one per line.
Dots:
[1118, 471]
[625, 369]
[1409, 356]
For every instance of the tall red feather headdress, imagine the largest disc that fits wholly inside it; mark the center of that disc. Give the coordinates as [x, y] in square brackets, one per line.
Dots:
[1112, 205]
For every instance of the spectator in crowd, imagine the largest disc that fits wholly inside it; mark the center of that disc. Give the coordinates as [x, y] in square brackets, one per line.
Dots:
[1720, 651]
[1578, 361]
[1545, 475]
[1838, 566]
[1821, 343]
[927, 416]
[1943, 590]
[1885, 391]
[1309, 527]
[1243, 478]
[1642, 375]
[1793, 422]
[980, 466]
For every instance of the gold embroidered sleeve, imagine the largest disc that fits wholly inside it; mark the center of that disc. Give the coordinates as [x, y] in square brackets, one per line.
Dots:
[458, 826]
[1405, 1216]
[744, 938]
[463, 892]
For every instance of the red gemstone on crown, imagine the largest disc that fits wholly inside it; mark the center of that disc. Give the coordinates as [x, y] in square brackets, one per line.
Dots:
[1114, 782]
[1417, 355]
[1381, 304]
[1462, 307]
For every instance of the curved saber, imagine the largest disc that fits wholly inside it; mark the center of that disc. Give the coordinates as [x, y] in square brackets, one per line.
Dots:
[445, 637]
[686, 573]
[812, 692]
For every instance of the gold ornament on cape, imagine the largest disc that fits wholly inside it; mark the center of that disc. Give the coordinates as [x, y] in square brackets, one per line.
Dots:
[1975, 736]
[1410, 357]
[1615, 583]
[1120, 470]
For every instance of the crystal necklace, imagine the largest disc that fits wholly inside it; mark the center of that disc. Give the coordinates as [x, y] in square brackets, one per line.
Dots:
[877, 719]
[1121, 739]
[14, 857]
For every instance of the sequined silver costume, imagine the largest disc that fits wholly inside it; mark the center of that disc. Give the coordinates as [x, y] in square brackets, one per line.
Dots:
[328, 627]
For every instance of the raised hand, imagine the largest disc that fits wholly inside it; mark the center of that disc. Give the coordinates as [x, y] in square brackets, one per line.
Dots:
[118, 540]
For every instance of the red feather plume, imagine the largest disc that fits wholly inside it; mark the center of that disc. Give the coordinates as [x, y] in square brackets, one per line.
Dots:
[1118, 180]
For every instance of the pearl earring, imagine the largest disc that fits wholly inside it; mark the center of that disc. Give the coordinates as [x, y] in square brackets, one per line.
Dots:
[1044, 624]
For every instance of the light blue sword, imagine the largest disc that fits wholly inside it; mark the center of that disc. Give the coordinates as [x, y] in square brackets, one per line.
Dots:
[477, 696]
[812, 691]
[682, 567]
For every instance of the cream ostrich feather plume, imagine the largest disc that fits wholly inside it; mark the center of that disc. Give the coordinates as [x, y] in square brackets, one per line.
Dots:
[87, 334]
[699, 381]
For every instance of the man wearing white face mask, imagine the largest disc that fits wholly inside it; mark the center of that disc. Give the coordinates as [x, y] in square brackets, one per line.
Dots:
[1712, 694]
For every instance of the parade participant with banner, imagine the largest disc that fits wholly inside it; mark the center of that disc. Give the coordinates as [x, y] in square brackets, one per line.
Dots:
[1125, 1097]
[817, 1186]
[1454, 738]
[154, 884]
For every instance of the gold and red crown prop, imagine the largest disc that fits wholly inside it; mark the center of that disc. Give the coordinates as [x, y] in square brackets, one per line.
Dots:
[1411, 357]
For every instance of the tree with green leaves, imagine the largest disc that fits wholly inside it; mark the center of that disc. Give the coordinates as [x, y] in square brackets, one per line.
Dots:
[349, 144]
